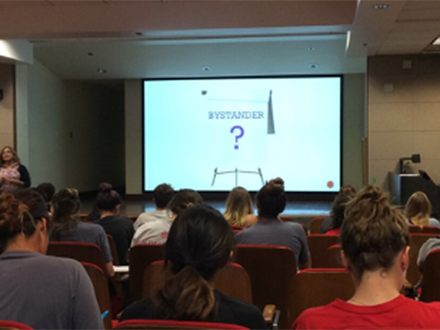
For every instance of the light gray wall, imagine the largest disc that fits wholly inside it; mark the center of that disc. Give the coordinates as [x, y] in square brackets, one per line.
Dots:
[75, 132]
[403, 114]
[353, 132]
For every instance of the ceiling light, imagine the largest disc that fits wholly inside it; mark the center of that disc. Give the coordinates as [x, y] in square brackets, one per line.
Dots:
[381, 6]
[313, 65]
[139, 33]
[90, 53]
[311, 49]
[206, 68]
[436, 41]
[100, 70]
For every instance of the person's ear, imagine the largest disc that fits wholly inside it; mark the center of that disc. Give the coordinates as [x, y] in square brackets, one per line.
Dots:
[404, 259]
[117, 208]
[345, 261]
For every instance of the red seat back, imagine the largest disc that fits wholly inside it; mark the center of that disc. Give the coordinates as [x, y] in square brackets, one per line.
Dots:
[167, 324]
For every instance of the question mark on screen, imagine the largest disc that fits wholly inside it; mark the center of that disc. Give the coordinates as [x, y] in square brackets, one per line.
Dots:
[239, 136]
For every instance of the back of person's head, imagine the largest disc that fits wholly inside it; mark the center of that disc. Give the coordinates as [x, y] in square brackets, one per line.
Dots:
[65, 206]
[183, 199]
[107, 198]
[162, 195]
[238, 206]
[271, 198]
[373, 232]
[47, 190]
[199, 243]
[338, 207]
[418, 209]
[20, 211]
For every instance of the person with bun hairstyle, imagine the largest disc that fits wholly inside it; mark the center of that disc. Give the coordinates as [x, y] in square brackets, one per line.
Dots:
[120, 228]
[157, 231]
[271, 201]
[162, 195]
[68, 227]
[41, 291]
[375, 246]
[239, 209]
[200, 243]
[13, 175]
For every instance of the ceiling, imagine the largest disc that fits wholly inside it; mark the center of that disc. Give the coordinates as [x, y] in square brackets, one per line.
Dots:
[138, 39]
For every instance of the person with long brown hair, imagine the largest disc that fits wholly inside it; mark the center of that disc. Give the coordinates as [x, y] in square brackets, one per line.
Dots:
[200, 242]
[375, 246]
[239, 210]
[418, 210]
[13, 175]
[41, 291]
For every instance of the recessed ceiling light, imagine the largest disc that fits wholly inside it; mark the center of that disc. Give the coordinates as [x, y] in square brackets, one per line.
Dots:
[90, 53]
[311, 49]
[206, 68]
[313, 65]
[100, 70]
[381, 6]
[139, 33]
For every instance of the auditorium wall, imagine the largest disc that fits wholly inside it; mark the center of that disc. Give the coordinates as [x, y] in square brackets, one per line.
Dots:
[353, 132]
[75, 131]
[403, 114]
[7, 105]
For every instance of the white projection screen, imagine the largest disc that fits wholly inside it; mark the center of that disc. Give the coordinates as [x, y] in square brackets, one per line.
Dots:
[217, 133]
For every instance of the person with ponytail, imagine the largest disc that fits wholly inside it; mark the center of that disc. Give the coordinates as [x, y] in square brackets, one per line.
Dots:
[271, 201]
[200, 242]
[375, 250]
[68, 227]
[41, 291]
[120, 228]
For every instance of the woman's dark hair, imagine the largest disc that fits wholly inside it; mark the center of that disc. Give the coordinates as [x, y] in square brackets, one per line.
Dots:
[47, 190]
[66, 206]
[373, 232]
[182, 199]
[271, 199]
[19, 212]
[199, 243]
[107, 198]
[338, 208]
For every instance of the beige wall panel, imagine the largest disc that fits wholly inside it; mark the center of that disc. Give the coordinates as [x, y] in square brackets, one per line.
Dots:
[6, 120]
[391, 116]
[426, 116]
[427, 144]
[430, 166]
[6, 139]
[378, 171]
[403, 89]
[390, 145]
[426, 88]
[393, 64]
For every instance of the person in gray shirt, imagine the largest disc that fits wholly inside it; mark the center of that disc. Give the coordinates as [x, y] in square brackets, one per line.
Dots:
[271, 201]
[41, 291]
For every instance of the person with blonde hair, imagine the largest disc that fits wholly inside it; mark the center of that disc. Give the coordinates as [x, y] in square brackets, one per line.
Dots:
[13, 175]
[375, 250]
[239, 209]
[418, 210]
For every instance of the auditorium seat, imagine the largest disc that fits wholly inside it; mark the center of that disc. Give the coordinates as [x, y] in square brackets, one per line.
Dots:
[270, 268]
[81, 251]
[140, 256]
[113, 249]
[318, 245]
[99, 282]
[315, 224]
[12, 325]
[425, 229]
[333, 256]
[416, 241]
[167, 324]
[431, 276]
[317, 287]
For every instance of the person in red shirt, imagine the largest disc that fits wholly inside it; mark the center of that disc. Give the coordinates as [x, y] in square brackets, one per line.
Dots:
[375, 245]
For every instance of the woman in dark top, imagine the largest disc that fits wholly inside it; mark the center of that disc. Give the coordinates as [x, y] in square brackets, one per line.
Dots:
[200, 242]
[120, 228]
[13, 175]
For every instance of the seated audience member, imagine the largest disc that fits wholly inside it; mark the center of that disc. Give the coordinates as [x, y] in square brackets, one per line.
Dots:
[68, 227]
[47, 190]
[271, 201]
[157, 231]
[13, 175]
[338, 209]
[120, 228]
[239, 209]
[327, 224]
[375, 245]
[41, 291]
[418, 211]
[162, 195]
[199, 244]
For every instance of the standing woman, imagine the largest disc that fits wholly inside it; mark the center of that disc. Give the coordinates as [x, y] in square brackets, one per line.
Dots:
[13, 175]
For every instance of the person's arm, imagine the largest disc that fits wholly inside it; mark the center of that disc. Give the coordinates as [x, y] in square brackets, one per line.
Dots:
[305, 265]
[109, 269]
[304, 259]
[25, 178]
[105, 247]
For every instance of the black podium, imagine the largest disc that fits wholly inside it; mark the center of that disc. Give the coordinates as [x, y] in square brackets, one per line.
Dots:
[402, 186]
